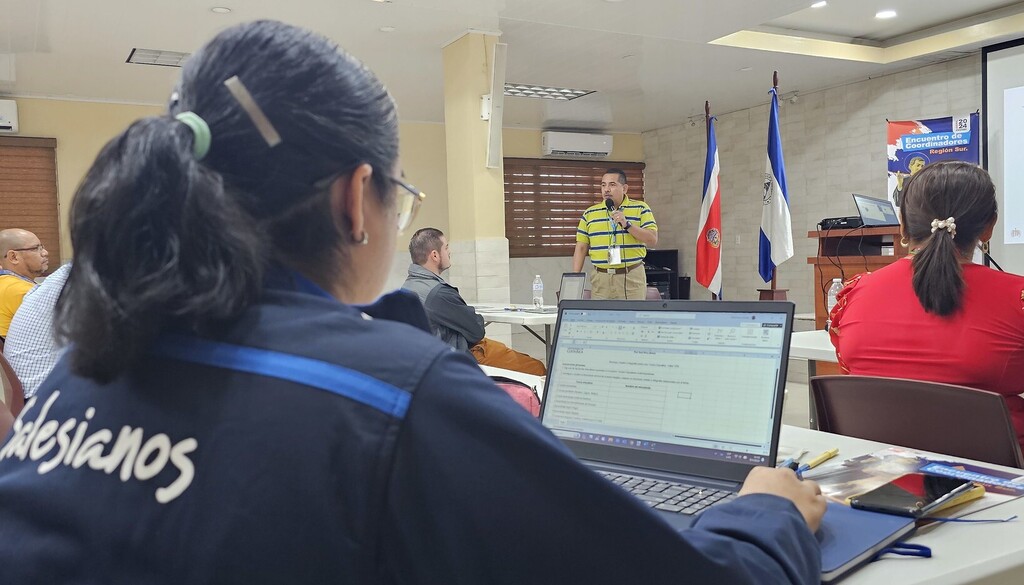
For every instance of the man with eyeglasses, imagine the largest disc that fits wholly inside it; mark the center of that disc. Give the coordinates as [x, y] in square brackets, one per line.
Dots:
[24, 258]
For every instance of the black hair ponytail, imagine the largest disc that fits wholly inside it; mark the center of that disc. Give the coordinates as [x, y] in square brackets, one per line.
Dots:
[157, 243]
[957, 190]
[164, 241]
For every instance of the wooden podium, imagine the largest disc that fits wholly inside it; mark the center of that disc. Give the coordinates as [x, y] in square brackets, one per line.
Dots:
[845, 253]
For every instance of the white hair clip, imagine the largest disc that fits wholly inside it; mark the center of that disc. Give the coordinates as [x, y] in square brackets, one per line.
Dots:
[944, 224]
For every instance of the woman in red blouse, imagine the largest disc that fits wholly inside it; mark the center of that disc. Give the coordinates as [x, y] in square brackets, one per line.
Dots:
[935, 315]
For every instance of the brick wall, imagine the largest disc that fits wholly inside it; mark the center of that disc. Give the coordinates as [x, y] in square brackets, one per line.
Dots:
[834, 144]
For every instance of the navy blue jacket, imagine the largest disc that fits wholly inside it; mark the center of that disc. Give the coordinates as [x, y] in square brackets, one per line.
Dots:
[425, 473]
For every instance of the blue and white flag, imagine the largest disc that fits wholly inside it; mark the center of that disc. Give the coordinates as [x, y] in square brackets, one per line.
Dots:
[776, 244]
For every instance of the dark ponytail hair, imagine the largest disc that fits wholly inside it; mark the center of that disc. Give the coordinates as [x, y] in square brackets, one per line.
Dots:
[939, 191]
[163, 240]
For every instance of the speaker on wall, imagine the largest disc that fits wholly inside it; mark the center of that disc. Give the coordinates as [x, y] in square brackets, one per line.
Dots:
[497, 106]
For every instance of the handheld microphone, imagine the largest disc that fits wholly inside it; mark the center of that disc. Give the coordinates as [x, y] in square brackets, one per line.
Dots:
[608, 203]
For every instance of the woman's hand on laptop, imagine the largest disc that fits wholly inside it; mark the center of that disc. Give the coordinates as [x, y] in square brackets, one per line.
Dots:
[783, 482]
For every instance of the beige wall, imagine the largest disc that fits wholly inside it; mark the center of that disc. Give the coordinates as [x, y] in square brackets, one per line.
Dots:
[425, 165]
[834, 145]
[81, 129]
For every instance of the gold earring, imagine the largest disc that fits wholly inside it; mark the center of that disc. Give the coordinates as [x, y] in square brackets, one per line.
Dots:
[362, 241]
[904, 242]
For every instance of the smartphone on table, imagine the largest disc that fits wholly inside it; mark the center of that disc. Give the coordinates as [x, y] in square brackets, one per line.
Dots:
[913, 494]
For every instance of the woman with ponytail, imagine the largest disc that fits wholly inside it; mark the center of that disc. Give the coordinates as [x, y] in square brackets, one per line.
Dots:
[237, 405]
[936, 315]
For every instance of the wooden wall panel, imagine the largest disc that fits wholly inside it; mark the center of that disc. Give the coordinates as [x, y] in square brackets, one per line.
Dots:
[28, 190]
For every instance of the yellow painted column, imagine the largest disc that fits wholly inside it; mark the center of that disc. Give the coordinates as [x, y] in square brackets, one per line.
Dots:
[476, 196]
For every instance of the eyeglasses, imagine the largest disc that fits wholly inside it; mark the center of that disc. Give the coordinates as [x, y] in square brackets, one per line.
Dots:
[409, 203]
[37, 249]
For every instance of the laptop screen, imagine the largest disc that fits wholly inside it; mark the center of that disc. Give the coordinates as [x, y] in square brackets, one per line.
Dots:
[695, 383]
[875, 212]
[572, 286]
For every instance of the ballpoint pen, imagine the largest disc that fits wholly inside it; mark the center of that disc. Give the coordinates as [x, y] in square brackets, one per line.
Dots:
[818, 460]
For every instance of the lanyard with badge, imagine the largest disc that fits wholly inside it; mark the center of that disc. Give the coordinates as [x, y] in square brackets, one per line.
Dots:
[614, 251]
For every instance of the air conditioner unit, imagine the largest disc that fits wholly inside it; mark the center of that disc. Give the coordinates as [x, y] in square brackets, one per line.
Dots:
[575, 144]
[8, 117]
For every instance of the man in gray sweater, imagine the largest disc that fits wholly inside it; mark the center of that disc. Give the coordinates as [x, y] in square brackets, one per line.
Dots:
[451, 319]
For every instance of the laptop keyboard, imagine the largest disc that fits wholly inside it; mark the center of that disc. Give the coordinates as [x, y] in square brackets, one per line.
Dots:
[670, 496]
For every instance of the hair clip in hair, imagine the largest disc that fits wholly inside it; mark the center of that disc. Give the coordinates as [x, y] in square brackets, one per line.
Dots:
[252, 109]
[944, 224]
[201, 137]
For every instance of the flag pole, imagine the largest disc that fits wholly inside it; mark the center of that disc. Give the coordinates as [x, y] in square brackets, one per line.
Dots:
[707, 127]
[775, 87]
[773, 293]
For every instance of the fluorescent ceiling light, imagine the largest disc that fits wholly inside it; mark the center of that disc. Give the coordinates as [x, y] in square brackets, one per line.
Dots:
[544, 92]
[885, 14]
[157, 57]
[821, 4]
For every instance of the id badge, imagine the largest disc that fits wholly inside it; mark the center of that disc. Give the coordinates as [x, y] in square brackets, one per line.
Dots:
[615, 255]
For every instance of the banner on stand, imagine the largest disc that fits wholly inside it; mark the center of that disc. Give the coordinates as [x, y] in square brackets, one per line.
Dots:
[914, 143]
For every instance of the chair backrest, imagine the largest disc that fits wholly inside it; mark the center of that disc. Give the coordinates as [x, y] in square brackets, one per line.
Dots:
[14, 394]
[942, 418]
[521, 393]
[6, 421]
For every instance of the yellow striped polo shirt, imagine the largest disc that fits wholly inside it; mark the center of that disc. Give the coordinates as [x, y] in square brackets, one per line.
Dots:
[596, 229]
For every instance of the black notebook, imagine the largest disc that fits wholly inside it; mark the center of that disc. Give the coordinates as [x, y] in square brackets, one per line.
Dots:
[850, 537]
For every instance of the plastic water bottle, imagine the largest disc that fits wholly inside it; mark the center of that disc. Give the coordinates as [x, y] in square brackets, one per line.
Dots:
[538, 292]
[833, 291]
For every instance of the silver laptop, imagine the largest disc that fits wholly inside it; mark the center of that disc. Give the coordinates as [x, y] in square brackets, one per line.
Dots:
[573, 284]
[875, 212]
[676, 401]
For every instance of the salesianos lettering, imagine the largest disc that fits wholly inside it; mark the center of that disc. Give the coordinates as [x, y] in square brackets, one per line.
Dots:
[69, 443]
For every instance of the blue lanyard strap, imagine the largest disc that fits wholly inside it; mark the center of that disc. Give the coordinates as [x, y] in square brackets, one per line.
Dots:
[274, 364]
[9, 273]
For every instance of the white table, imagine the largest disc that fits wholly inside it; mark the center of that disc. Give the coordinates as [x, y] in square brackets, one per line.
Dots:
[813, 346]
[516, 315]
[987, 554]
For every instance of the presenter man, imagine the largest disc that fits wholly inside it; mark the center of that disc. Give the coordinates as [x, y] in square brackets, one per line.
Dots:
[616, 234]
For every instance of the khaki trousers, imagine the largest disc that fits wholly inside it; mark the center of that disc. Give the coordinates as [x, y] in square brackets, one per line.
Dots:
[631, 285]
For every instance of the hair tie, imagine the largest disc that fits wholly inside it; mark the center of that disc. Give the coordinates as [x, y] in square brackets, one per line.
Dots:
[252, 109]
[200, 133]
[944, 224]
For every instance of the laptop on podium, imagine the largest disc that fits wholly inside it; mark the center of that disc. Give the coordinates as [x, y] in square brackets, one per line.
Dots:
[675, 401]
[875, 212]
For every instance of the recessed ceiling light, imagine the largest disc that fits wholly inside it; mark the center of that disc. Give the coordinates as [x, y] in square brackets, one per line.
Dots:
[821, 4]
[614, 0]
[745, 69]
[885, 14]
[382, 1]
[544, 92]
[388, 29]
[220, 10]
